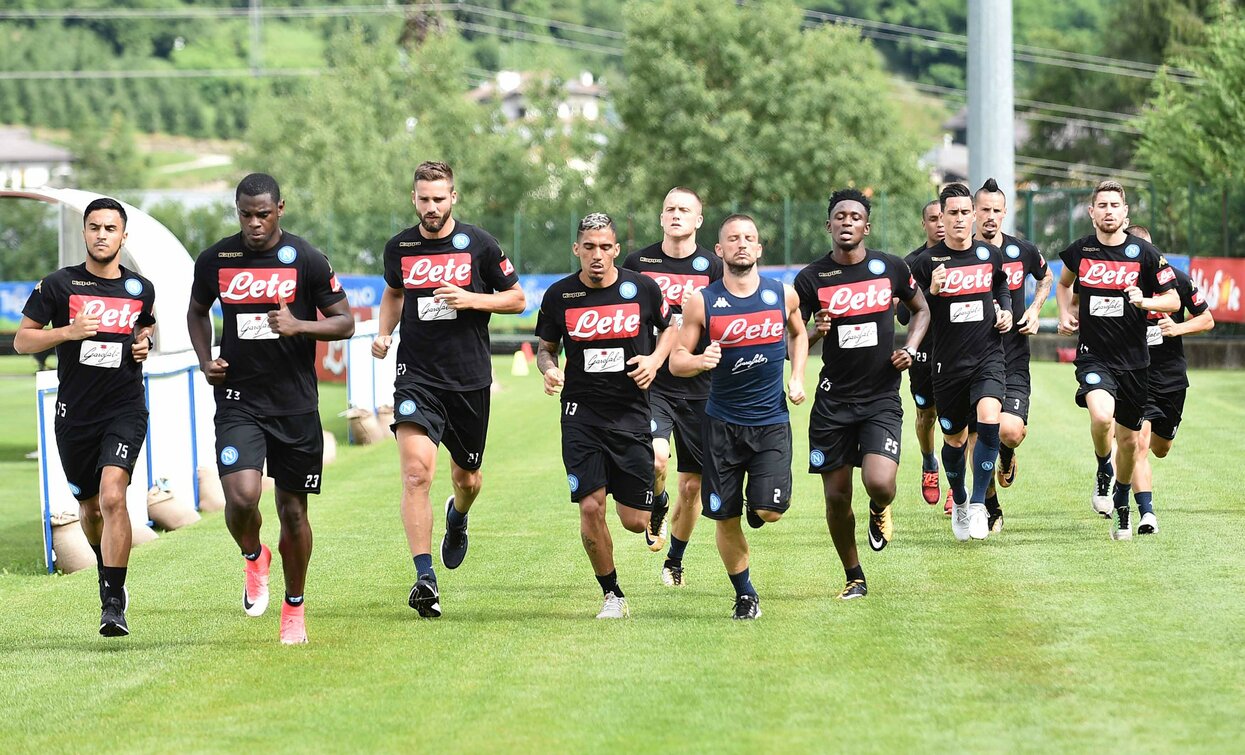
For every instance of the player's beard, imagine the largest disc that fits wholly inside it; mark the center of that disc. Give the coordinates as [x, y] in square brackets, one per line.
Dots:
[101, 260]
[438, 224]
[740, 270]
[1116, 225]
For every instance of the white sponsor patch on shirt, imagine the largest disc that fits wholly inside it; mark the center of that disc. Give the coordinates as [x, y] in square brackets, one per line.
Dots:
[100, 354]
[603, 360]
[966, 311]
[430, 308]
[1154, 335]
[858, 336]
[1106, 306]
[254, 327]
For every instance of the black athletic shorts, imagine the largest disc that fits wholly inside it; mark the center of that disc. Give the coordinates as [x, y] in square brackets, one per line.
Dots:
[292, 444]
[957, 395]
[841, 433]
[617, 460]
[459, 419]
[921, 383]
[1019, 387]
[684, 417]
[1164, 411]
[86, 449]
[1127, 387]
[763, 453]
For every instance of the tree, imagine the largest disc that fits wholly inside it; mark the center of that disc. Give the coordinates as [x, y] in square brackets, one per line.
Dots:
[345, 150]
[744, 106]
[108, 158]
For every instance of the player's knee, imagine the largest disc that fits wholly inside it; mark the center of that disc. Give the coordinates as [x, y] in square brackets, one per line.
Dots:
[1160, 447]
[112, 504]
[689, 488]
[1012, 434]
[768, 515]
[416, 477]
[89, 510]
[660, 463]
[633, 520]
[1127, 441]
[469, 481]
[881, 491]
[592, 508]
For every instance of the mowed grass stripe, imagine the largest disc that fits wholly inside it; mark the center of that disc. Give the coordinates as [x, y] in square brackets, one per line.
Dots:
[1048, 636]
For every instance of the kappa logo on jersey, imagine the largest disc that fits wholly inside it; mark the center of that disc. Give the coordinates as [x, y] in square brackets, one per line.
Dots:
[116, 315]
[1015, 274]
[432, 270]
[600, 323]
[721, 302]
[506, 267]
[1109, 274]
[970, 279]
[269, 286]
[748, 329]
[859, 298]
[674, 286]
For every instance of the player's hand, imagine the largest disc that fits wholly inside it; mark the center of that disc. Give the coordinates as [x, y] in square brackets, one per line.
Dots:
[1068, 324]
[795, 390]
[645, 369]
[554, 380]
[1028, 324]
[380, 346]
[823, 320]
[1134, 296]
[937, 278]
[1003, 320]
[214, 371]
[901, 359]
[455, 297]
[1169, 327]
[83, 326]
[282, 321]
[141, 345]
[711, 356]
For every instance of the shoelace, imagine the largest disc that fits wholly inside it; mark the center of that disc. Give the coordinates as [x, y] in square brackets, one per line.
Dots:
[850, 585]
[1104, 483]
[929, 479]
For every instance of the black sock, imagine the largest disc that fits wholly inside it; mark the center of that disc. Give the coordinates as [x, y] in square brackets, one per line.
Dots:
[423, 565]
[254, 556]
[874, 508]
[953, 467]
[609, 583]
[854, 573]
[1006, 454]
[1104, 463]
[742, 583]
[992, 505]
[1120, 495]
[675, 554]
[293, 601]
[114, 583]
[662, 501]
[99, 568]
[1145, 501]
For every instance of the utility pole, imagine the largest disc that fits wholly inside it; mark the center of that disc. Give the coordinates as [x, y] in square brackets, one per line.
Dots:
[257, 39]
[991, 99]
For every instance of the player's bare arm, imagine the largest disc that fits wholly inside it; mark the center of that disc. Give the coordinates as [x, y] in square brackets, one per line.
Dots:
[1168, 301]
[547, 363]
[199, 326]
[1068, 323]
[646, 365]
[32, 337]
[797, 346]
[338, 322]
[1028, 324]
[512, 301]
[1199, 324]
[684, 361]
[918, 325]
[390, 313]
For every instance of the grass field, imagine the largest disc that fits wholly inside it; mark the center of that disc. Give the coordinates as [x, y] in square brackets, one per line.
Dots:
[1047, 637]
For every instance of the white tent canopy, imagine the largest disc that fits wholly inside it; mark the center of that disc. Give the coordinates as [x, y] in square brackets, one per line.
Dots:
[151, 250]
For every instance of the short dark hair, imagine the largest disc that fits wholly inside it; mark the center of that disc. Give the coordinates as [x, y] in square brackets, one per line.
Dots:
[257, 185]
[430, 170]
[989, 187]
[595, 221]
[929, 204]
[739, 216]
[1108, 185]
[952, 190]
[685, 190]
[848, 195]
[1138, 230]
[104, 203]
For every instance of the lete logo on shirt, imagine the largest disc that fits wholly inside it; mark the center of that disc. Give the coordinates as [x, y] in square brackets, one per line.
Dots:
[1109, 274]
[971, 279]
[859, 298]
[242, 286]
[431, 270]
[1015, 274]
[674, 286]
[599, 323]
[116, 315]
[750, 329]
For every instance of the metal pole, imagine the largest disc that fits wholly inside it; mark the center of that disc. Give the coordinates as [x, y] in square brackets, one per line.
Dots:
[786, 231]
[257, 38]
[991, 98]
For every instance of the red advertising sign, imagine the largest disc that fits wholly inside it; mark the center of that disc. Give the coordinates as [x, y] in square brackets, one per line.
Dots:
[1220, 280]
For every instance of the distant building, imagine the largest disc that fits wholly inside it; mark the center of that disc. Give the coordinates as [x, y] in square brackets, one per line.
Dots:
[580, 99]
[948, 161]
[26, 163]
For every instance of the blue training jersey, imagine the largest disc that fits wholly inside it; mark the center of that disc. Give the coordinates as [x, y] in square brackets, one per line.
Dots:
[746, 388]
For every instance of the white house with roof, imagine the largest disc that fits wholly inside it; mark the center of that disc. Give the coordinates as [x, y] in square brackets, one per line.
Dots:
[26, 163]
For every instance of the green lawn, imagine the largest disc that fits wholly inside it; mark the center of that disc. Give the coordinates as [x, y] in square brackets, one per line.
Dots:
[1047, 637]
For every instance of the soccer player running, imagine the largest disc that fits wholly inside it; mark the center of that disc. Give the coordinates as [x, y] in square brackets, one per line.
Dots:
[681, 267]
[970, 309]
[1119, 278]
[444, 280]
[747, 430]
[271, 285]
[102, 319]
[1169, 382]
[920, 379]
[1021, 259]
[857, 417]
[605, 317]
